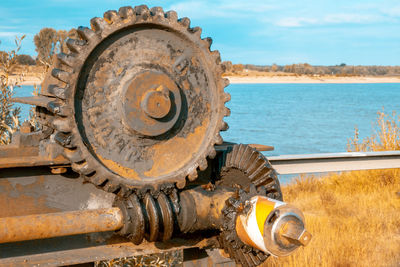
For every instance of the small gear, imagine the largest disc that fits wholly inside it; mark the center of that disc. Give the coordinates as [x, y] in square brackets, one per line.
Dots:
[250, 172]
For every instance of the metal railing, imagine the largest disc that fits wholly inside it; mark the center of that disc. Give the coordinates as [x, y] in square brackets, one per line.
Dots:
[334, 162]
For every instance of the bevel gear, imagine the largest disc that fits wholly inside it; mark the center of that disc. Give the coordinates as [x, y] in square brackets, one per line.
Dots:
[139, 100]
[251, 173]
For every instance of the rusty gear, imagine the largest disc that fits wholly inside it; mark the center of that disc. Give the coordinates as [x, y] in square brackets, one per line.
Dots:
[139, 100]
[248, 170]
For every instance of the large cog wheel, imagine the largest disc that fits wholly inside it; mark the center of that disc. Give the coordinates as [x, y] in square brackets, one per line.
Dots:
[140, 100]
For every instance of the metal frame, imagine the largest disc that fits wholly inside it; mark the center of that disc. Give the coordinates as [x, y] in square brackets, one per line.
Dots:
[334, 162]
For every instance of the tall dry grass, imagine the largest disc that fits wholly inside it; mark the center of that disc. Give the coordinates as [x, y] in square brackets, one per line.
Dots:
[355, 216]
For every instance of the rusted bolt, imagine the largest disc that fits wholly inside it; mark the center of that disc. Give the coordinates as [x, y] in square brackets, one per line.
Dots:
[58, 170]
[156, 103]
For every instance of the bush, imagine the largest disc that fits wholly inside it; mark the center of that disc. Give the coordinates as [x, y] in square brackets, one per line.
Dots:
[9, 116]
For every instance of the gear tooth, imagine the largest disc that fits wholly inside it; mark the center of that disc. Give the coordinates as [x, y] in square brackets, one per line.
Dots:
[62, 125]
[181, 184]
[63, 139]
[212, 153]
[218, 139]
[126, 12]
[157, 12]
[111, 187]
[235, 153]
[262, 256]
[217, 56]
[82, 168]
[227, 112]
[239, 154]
[197, 31]
[203, 164]
[74, 155]
[60, 75]
[208, 42]
[98, 24]
[252, 159]
[185, 22]
[86, 33]
[228, 160]
[59, 108]
[193, 174]
[124, 191]
[226, 82]
[245, 157]
[142, 10]
[171, 15]
[98, 179]
[111, 16]
[66, 59]
[254, 259]
[255, 172]
[57, 91]
[224, 126]
[227, 97]
[75, 45]
[263, 179]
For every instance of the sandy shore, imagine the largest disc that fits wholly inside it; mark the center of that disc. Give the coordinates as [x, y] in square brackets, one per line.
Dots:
[307, 79]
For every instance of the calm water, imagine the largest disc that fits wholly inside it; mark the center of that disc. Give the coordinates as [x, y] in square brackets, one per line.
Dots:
[301, 118]
[306, 118]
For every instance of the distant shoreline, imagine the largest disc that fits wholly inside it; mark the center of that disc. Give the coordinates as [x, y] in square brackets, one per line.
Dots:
[33, 80]
[308, 79]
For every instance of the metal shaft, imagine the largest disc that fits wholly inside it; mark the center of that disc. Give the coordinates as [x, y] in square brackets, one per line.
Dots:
[41, 226]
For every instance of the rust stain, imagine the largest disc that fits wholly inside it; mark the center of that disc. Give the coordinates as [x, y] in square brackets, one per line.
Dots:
[22, 204]
[119, 169]
[48, 225]
[165, 160]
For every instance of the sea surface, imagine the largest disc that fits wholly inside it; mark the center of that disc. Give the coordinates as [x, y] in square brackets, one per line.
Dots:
[300, 118]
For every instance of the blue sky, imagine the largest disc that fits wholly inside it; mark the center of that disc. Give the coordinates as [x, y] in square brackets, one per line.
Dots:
[319, 32]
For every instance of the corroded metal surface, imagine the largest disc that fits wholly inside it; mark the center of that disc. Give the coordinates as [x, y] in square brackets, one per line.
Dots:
[27, 191]
[29, 149]
[32, 191]
[245, 168]
[41, 226]
[138, 103]
[65, 254]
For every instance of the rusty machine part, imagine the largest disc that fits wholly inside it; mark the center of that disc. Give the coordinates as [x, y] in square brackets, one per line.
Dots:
[138, 103]
[136, 108]
[265, 226]
[248, 170]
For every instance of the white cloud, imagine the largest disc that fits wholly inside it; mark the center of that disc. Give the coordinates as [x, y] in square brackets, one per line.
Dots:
[295, 22]
[4, 27]
[329, 19]
[10, 34]
[351, 18]
[393, 11]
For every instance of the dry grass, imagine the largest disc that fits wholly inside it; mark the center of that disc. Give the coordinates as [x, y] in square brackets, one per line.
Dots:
[354, 217]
